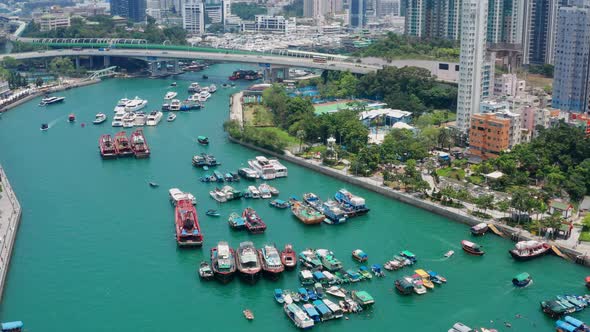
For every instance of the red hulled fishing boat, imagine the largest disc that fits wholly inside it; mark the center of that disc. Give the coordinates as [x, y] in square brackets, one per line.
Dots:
[188, 231]
[272, 266]
[253, 223]
[107, 147]
[139, 144]
[122, 145]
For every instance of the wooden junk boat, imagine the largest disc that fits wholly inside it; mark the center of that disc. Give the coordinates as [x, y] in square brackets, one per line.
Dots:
[472, 248]
[479, 229]
[122, 145]
[188, 231]
[306, 214]
[253, 223]
[107, 147]
[527, 250]
[139, 144]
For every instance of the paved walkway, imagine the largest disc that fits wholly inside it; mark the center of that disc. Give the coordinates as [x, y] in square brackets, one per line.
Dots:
[10, 211]
[236, 112]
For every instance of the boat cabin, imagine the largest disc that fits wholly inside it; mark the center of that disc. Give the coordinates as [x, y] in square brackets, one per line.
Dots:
[15, 326]
[311, 312]
[403, 286]
[336, 310]
[330, 278]
[562, 326]
[320, 277]
[323, 310]
[423, 274]
[306, 277]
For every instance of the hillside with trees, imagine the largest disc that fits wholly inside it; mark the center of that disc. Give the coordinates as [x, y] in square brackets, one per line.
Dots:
[395, 46]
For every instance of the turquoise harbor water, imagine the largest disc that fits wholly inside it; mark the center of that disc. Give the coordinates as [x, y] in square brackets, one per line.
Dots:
[95, 250]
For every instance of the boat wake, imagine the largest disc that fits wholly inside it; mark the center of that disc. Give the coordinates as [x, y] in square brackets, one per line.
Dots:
[55, 121]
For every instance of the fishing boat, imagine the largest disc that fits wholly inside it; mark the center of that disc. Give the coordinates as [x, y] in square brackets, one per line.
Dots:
[334, 214]
[272, 266]
[336, 291]
[403, 286]
[107, 147]
[555, 309]
[44, 126]
[365, 273]
[409, 256]
[527, 250]
[264, 191]
[248, 262]
[279, 296]
[210, 160]
[253, 191]
[320, 277]
[363, 298]
[449, 253]
[139, 144]
[188, 231]
[71, 117]
[289, 257]
[472, 248]
[213, 213]
[287, 297]
[311, 312]
[425, 278]
[393, 265]
[418, 286]
[303, 294]
[218, 176]
[352, 204]
[360, 256]
[122, 145]
[298, 316]
[223, 262]
[176, 196]
[205, 271]
[231, 193]
[314, 201]
[236, 221]
[279, 203]
[435, 277]
[248, 173]
[204, 140]
[334, 308]
[254, 224]
[522, 280]
[48, 100]
[309, 258]
[170, 95]
[479, 229]
[329, 261]
[305, 214]
[318, 288]
[248, 314]
[377, 270]
[99, 118]
[198, 161]
[306, 277]
[323, 310]
[171, 117]
[218, 195]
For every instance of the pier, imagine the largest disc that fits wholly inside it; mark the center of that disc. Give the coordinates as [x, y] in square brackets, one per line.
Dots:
[10, 214]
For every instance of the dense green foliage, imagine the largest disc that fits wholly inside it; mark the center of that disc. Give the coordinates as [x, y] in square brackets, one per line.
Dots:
[410, 89]
[294, 9]
[257, 136]
[104, 27]
[8, 67]
[395, 46]
[545, 70]
[61, 66]
[558, 160]
[247, 11]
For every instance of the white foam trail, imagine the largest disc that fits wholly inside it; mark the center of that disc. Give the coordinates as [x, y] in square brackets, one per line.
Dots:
[55, 121]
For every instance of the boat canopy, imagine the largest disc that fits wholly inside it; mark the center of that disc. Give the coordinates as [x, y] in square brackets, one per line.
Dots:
[588, 279]
[306, 274]
[202, 137]
[318, 275]
[278, 291]
[360, 254]
[524, 245]
[432, 274]
[422, 273]
[565, 326]
[364, 297]
[310, 310]
[12, 325]
[280, 201]
[479, 226]
[522, 276]
[407, 253]
[322, 307]
[571, 320]
[405, 284]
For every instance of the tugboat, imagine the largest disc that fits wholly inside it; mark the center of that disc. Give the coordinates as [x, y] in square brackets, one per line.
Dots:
[71, 117]
[205, 271]
[223, 262]
[204, 140]
[479, 229]
[472, 248]
[139, 145]
[122, 145]
[351, 204]
[289, 257]
[188, 231]
[272, 266]
[248, 262]
[527, 250]
[254, 224]
[522, 280]
[306, 214]
[107, 147]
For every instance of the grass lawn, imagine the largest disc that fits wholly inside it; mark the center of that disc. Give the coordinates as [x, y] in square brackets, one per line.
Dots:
[451, 172]
[585, 236]
[283, 135]
[257, 116]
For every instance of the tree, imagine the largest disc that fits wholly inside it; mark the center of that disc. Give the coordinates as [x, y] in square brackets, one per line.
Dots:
[485, 202]
[9, 62]
[247, 11]
[62, 66]
[39, 82]
[301, 136]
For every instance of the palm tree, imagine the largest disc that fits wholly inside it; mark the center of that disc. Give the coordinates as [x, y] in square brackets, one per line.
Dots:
[301, 135]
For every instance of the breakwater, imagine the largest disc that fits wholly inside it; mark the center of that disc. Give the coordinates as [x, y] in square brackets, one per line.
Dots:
[10, 215]
[512, 233]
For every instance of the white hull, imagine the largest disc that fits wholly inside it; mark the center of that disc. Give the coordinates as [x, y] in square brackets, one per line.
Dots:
[154, 120]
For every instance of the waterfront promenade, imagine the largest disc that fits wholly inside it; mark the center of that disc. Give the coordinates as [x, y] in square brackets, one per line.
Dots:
[10, 214]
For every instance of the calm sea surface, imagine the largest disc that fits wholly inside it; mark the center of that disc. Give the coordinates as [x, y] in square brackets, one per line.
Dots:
[95, 250]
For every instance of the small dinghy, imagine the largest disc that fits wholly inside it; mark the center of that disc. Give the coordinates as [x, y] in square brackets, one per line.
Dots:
[212, 213]
[248, 314]
[171, 117]
[449, 253]
[44, 126]
[205, 271]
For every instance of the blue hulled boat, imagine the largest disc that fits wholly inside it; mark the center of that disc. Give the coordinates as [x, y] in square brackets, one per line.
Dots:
[334, 214]
[351, 204]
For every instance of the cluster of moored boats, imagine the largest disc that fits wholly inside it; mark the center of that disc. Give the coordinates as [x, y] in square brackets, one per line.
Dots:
[565, 304]
[198, 96]
[229, 193]
[129, 114]
[123, 146]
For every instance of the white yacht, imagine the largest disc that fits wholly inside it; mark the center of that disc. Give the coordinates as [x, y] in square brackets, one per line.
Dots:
[118, 119]
[135, 104]
[263, 167]
[129, 120]
[194, 87]
[170, 95]
[176, 196]
[205, 88]
[254, 193]
[204, 95]
[100, 118]
[140, 118]
[193, 97]
[154, 118]
[280, 169]
[175, 105]
[121, 104]
[212, 88]
[171, 117]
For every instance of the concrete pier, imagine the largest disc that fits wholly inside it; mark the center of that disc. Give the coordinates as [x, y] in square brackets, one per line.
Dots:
[10, 215]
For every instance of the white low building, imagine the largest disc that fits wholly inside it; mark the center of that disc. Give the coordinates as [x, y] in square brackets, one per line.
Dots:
[272, 24]
[389, 116]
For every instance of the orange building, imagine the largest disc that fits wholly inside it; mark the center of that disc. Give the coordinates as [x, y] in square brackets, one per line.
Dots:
[489, 135]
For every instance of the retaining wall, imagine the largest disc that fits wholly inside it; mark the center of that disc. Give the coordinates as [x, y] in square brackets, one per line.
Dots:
[9, 227]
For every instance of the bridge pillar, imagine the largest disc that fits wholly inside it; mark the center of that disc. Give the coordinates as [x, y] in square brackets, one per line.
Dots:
[176, 67]
[153, 67]
[77, 62]
[107, 61]
[274, 74]
[91, 59]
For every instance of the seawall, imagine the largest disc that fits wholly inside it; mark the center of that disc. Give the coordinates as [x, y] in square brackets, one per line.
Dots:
[452, 213]
[10, 215]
